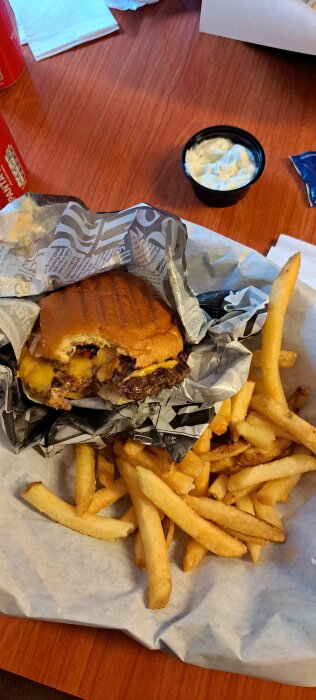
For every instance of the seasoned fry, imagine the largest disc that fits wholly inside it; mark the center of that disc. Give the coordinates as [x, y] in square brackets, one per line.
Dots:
[279, 298]
[61, 512]
[289, 466]
[298, 398]
[239, 407]
[106, 496]
[301, 431]
[230, 517]
[231, 449]
[254, 456]
[105, 468]
[84, 477]
[222, 465]
[287, 358]
[218, 488]
[153, 540]
[210, 536]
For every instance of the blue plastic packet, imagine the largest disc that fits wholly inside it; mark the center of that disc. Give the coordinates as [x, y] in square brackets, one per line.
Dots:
[305, 164]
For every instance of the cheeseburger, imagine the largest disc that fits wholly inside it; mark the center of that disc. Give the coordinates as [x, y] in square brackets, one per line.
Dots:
[109, 335]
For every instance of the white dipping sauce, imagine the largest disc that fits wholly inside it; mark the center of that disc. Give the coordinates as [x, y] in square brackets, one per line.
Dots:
[220, 164]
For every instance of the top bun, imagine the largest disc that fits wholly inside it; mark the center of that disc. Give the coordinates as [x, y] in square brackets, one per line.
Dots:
[115, 309]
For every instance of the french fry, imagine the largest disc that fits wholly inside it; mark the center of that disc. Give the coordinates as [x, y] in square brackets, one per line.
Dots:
[203, 443]
[279, 298]
[254, 456]
[105, 468]
[133, 448]
[210, 536]
[232, 496]
[84, 477]
[300, 430]
[258, 436]
[288, 466]
[230, 517]
[298, 398]
[278, 490]
[106, 496]
[248, 539]
[231, 449]
[191, 464]
[218, 488]
[245, 504]
[260, 421]
[153, 540]
[168, 530]
[287, 358]
[139, 554]
[266, 512]
[41, 498]
[194, 553]
[177, 480]
[219, 423]
[222, 465]
[202, 481]
[239, 407]
[130, 517]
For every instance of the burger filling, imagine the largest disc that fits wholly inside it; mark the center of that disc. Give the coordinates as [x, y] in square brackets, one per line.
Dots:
[89, 368]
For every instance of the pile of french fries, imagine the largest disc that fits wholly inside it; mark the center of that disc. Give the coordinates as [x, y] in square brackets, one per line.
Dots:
[223, 494]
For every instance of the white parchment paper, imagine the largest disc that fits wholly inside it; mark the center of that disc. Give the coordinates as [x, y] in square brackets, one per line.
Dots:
[284, 24]
[227, 614]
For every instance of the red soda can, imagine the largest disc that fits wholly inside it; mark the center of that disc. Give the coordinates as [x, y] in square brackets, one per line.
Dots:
[13, 173]
[11, 56]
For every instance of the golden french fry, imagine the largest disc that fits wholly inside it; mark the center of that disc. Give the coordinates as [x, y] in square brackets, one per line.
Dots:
[133, 448]
[279, 298]
[266, 512]
[254, 456]
[105, 468]
[230, 517]
[300, 430]
[191, 464]
[218, 488]
[177, 480]
[222, 465]
[245, 504]
[203, 443]
[219, 424]
[84, 477]
[239, 407]
[232, 496]
[202, 481]
[230, 449]
[139, 554]
[153, 540]
[168, 530]
[257, 419]
[194, 553]
[278, 490]
[298, 398]
[258, 436]
[130, 517]
[61, 512]
[288, 466]
[248, 539]
[172, 505]
[287, 358]
[106, 496]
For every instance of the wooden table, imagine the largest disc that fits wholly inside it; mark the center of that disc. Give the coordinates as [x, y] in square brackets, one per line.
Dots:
[106, 122]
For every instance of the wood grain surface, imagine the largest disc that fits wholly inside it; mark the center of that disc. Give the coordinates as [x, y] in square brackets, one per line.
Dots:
[107, 122]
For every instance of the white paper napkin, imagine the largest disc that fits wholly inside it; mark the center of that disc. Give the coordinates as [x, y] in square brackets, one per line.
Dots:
[51, 27]
[287, 246]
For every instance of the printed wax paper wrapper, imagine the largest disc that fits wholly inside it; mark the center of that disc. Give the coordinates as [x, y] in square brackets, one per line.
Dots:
[227, 614]
[49, 242]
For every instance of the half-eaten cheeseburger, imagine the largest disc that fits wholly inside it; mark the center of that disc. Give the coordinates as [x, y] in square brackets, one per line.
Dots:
[109, 335]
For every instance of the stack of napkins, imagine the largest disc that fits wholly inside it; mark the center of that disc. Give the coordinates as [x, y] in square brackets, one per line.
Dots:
[53, 26]
[287, 246]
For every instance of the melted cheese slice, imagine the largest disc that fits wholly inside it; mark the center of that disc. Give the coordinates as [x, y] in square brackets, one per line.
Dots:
[38, 373]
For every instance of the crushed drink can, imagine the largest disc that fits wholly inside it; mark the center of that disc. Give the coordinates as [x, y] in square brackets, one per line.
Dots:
[13, 173]
[11, 56]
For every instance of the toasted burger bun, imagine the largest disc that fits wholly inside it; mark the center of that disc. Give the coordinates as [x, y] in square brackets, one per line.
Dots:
[111, 331]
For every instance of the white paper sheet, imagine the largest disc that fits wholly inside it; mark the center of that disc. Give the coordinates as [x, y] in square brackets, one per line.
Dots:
[284, 24]
[52, 27]
[287, 246]
[227, 614]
